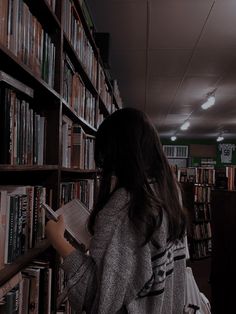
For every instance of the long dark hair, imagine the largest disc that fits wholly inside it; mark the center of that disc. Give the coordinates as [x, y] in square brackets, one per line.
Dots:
[128, 147]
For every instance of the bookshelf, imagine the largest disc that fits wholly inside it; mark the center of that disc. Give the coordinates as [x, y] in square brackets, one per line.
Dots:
[223, 273]
[201, 183]
[54, 93]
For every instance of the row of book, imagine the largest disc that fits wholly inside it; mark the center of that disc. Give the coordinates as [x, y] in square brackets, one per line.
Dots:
[201, 249]
[28, 291]
[104, 90]
[22, 217]
[231, 175]
[202, 231]
[185, 174]
[26, 38]
[202, 211]
[202, 194]
[77, 147]
[196, 175]
[82, 189]
[205, 175]
[75, 32]
[22, 130]
[77, 96]
[117, 95]
[65, 307]
[22, 220]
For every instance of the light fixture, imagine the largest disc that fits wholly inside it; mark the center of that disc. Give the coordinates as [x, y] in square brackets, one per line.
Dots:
[173, 138]
[209, 103]
[220, 138]
[185, 126]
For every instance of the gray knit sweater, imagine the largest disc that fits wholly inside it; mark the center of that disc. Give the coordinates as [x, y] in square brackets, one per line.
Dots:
[120, 276]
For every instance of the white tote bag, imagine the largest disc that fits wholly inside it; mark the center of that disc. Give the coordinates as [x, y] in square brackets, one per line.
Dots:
[195, 301]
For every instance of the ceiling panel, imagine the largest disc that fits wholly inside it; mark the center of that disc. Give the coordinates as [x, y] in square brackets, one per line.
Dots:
[130, 64]
[194, 90]
[191, 51]
[130, 71]
[211, 62]
[227, 88]
[160, 94]
[220, 31]
[134, 95]
[168, 62]
[125, 21]
[177, 24]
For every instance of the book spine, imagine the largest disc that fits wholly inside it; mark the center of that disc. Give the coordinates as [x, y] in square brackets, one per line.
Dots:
[9, 285]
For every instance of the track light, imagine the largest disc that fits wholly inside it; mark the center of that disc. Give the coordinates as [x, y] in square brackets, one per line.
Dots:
[209, 103]
[220, 138]
[185, 126]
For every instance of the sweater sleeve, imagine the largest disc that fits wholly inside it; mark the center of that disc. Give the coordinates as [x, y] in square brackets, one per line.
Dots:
[99, 283]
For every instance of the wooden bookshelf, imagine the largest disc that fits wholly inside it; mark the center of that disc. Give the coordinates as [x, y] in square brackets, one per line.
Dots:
[22, 261]
[33, 54]
[20, 168]
[198, 192]
[223, 272]
[21, 68]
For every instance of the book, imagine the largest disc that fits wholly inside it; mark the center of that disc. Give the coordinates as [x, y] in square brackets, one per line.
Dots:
[75, 216]
[10, 284]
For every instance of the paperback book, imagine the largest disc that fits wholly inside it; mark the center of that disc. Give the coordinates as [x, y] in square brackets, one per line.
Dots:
[76, 217]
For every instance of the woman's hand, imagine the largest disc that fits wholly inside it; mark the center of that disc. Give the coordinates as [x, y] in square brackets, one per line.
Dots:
[55, 233]
[55, 230]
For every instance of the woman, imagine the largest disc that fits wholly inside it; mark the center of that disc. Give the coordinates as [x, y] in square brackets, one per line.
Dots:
[137, 254]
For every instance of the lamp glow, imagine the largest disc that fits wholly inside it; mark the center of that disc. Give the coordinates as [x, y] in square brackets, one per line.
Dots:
[185, 126]
[220, 138]
[209, 103]
[173, 138]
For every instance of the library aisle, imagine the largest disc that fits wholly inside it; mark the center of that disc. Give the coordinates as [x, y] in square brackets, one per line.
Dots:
[66, 65]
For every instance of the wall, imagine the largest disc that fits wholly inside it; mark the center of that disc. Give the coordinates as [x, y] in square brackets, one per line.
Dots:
[205, 149]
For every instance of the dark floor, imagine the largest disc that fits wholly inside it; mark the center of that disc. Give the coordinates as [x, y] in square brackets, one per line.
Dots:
[201, 270]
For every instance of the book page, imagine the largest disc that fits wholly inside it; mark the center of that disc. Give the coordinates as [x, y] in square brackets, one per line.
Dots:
[76, 217]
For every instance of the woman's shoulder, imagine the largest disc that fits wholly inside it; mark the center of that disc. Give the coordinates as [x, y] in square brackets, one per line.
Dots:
[117, 203]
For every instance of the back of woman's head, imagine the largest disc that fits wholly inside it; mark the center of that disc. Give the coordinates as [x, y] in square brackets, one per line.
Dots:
[127, 146]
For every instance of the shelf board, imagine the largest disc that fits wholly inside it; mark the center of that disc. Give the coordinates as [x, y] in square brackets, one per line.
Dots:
[82, 72]
[43, 6]
[46, 4]
[5, 168]
[75, 170]
[115, 102]
[103, 107]
[10, 270]
[89, 128]
[17, 63]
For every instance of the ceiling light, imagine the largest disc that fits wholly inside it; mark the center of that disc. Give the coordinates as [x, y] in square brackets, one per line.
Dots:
[220, 138]
[173, 138]
[185, 126]
[209, 103]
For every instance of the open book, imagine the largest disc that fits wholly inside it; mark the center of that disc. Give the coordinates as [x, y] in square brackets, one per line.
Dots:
[76, 217]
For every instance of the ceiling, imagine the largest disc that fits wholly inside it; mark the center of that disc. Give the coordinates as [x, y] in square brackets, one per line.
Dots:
[168, 55]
